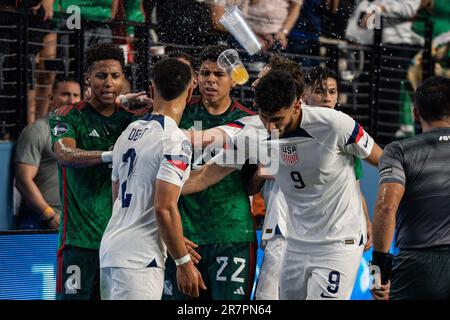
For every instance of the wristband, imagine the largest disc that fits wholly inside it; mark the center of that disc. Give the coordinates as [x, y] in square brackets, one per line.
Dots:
[107, 156]
[285, 31]
[182, 260]
[384, 261]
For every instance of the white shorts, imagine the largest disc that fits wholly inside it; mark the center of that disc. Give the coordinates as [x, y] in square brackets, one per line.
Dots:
[325, 274]
[131, 284]
[267, 287]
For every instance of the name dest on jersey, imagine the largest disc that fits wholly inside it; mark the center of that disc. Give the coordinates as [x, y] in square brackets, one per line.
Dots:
[136, 134]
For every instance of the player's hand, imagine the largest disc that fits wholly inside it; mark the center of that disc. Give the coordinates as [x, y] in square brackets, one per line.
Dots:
[47, 6]
[369, 242]
[191, 246]
[281, 37]
[189, 280]
[54, 223]
[139, 98]
[382, 293]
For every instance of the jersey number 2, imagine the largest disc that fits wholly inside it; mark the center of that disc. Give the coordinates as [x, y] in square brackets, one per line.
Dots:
[126, 197]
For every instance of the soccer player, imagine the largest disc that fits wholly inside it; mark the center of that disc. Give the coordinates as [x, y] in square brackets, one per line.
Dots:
[218, 219]
[326, 223]
[414, 179]
[82, 136]
[150, 164]
[321, 89]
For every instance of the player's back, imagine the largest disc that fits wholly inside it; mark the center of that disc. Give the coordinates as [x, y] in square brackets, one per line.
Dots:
[131, 239]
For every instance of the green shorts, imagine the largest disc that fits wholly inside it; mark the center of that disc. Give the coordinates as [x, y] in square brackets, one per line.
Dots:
[78, 274]
[228, 270]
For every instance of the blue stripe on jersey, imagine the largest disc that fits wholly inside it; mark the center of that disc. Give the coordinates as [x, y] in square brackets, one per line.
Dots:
[182, 158]
[299, 132]
[356, 134]
[155, 117]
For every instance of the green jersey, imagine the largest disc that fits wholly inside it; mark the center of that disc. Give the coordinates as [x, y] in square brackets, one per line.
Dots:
[86, 192]
[221, 213]
[358, 168]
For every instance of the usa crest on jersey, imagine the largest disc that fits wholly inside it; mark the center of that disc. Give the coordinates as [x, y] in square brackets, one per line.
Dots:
[289, 154]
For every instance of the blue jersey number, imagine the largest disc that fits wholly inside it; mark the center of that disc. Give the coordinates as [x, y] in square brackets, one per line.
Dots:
[126, 197]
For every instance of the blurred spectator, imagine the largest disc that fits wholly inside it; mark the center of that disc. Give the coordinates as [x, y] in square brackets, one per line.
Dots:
[401, 44]
[187, 22]
[36, 169]
[304, 37]
[272, 20]
[334, 16]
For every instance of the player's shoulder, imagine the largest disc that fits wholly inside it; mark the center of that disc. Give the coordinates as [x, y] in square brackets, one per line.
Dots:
[237, 107]
[71, 109]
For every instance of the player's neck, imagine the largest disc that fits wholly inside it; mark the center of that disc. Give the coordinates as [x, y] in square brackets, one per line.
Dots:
[170, 109]
[104, 109]
[217, 107]
[431, 125]
[296, 120]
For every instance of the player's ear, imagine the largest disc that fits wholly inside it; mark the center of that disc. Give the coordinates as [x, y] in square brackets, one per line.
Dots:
[416, 114]
[189, 95]
[87, 80]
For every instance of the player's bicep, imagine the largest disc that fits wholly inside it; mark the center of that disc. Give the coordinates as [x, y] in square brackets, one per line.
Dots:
[166, 195]
[64, 145]
[391, 165]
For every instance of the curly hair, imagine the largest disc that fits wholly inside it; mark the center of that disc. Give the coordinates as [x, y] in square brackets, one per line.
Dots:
[275, 91]
[104, 51]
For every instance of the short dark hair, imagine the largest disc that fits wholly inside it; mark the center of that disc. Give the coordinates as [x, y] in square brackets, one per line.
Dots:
[432, 98]
[104, 51]
[211, 53]
[280, 63]
[58, 81]
[177, 54]
[275, 91]
[319, 74]
[171, 78]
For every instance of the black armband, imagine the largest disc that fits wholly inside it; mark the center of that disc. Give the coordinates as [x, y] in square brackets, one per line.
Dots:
[385, 262]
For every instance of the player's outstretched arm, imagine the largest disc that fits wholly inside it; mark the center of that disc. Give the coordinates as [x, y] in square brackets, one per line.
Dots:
[374, 155]
[213, 137]
[388, 200]
[69, 155]
[206, 176]
[169, 224]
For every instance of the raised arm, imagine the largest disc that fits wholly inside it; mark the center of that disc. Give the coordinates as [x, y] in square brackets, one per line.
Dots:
[206, 176]
[69, 155]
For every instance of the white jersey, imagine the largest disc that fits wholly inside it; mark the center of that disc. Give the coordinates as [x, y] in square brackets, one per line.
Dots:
[317, 178]
[276, 207]
[148, 150]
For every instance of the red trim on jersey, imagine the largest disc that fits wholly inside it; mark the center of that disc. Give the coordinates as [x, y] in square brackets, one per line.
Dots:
[59, 275]
[242, 108]
[63, 243]
[179, 164]
[194, 101]
[234, 125]
[80, 105]
[252, 268]
[360, 134]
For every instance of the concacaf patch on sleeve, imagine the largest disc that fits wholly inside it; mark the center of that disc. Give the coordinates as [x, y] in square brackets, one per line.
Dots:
[386, 171]
[187, 148]
[60, 129]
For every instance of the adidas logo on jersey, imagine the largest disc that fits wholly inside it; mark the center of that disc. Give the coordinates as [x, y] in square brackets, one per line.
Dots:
[239, 291]
[94, 133]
